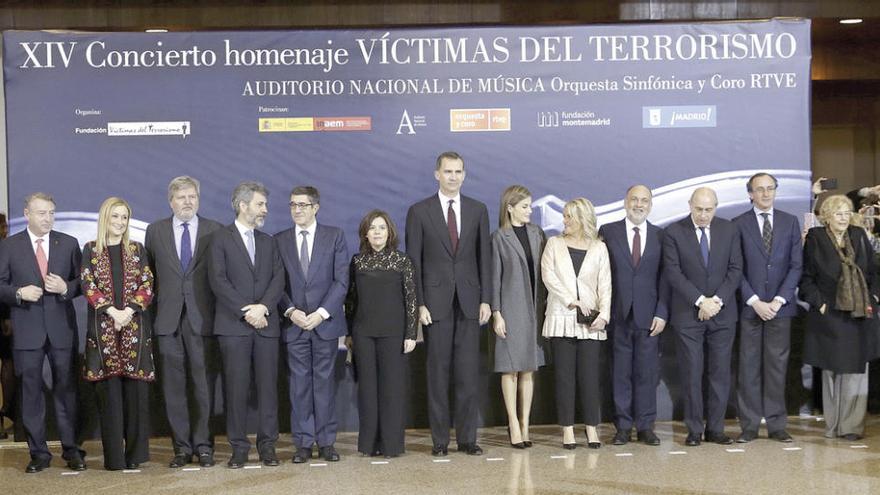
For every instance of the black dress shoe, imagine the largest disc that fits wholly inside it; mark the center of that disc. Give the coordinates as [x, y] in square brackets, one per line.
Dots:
[237, 461]
[36, 465]
[206, 459]
[851, 437]
[746, 437]
[719, 438]
[470, 449]
[269, 459]
[621, 437]
[439, 451]
[76, 463]
[692, 440]
[179, 461]
[780, 436]
[328, 453]
[648, 437]
[594, 445]
[569, 446]
[302, 455]
[132, 465]
[527, 443]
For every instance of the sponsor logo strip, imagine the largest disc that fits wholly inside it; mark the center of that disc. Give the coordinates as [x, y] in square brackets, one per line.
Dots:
[479, 119]
[308, 124]
[679, 116]
[149, 128]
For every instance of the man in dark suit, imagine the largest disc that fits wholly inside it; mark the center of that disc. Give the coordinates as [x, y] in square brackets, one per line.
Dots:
[247, 277]
[638, 315]
[702, 262]
[316, 258]
[39, 278]
[184, 316]
[447, 237]
[772, 259]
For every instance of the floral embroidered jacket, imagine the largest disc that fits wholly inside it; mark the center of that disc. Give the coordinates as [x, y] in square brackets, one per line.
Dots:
[109, 352]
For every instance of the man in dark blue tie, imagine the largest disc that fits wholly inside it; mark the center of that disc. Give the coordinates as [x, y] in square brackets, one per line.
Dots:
[703, 264]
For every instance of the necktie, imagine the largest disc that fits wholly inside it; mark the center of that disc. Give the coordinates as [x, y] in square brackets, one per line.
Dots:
[251, 249]
[42, 261]
[637, 247]
[767, 229]
[304, 252]
[704, 246]
[452, 224]
[185, 247]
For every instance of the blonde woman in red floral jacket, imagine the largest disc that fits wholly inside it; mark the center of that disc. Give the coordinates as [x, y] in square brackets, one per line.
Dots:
[118, 286]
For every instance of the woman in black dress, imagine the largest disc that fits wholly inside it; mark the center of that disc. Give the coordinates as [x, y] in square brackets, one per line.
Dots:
[381, 313]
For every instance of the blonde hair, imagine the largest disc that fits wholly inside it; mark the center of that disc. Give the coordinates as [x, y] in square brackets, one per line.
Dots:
[832, 204]
[511, 197]
[104, 222]
[582, 212]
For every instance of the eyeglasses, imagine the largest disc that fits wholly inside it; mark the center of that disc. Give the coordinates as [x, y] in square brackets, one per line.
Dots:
[762, 190]
[300, 206]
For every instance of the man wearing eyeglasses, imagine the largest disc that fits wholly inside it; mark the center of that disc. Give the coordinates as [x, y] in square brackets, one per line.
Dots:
[772, 255]
[316, 259]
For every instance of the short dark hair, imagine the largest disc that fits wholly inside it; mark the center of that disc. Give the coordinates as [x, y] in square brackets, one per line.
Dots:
[760, 174]
[448, 155]
[393, 238]
[310, 191]
[244, 192]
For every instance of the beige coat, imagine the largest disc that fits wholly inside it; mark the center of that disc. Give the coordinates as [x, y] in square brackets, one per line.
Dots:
[593, 283]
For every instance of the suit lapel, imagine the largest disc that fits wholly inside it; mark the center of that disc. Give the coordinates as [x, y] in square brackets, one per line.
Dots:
[54, 253]
[166, 236]
[466, 219]
[200, 243]
[241, 247]
[438, 218]
[754, 233]
[694, 241]
[319, 250]
[652, 241]
[621, 237]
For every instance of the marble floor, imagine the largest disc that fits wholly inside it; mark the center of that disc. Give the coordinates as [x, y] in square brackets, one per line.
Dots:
[812, 464]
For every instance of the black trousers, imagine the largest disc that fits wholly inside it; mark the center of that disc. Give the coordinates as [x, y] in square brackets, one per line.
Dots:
[576, 366]
[187, 385]
[381, 368]
[29, 366]
[763, 361]
[124, 410]
[453, 347]
[636, 374]
[713, 343]
[240, 356]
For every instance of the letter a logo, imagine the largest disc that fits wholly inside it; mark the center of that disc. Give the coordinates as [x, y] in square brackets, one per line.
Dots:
[407, 123]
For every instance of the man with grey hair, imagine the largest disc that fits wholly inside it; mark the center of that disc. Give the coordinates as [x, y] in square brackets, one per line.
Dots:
[184, 317]
[247, 277]
[702, 261]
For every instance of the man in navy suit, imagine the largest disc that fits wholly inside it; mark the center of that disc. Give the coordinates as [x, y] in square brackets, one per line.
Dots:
[316, 258]
[772, 257]
[702, 262]
[39, 278]
[447, 238]
[247, 278]
[638, 315]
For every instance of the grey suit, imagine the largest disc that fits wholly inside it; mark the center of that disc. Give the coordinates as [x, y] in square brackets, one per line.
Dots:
[521, 305]
[184, 315]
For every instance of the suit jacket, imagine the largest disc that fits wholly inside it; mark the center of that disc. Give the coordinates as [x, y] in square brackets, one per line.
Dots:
[325, 286]
[642, 289]
[442, 274]
[173, 286]
[236, 282]
[772, 274]
[521, 307]
[53, 315]
[689, 279]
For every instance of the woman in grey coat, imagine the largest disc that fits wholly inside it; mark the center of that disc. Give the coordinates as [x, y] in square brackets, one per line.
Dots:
[518, 301]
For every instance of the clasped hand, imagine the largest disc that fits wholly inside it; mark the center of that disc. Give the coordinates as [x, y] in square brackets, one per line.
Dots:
[255, 315]
[708, 309]
[121, 317]
[305, 321]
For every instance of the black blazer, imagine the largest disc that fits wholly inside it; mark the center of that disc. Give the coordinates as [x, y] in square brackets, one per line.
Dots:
[236, 282]
[52, 315]
[172, 286]
[439, 273]
[822, 266]
[689, 279]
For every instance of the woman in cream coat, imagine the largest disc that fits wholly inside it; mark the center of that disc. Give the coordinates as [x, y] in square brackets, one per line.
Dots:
[577, 273]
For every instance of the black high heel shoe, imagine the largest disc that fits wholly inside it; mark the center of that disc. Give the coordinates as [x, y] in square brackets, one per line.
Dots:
[592, 445]
[520, 445]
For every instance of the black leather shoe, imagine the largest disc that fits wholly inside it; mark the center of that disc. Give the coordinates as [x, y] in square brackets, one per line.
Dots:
[719, 438]
[851, 437]
[132, 465]
[439, 451]
[621, 437]
[328, 453]
[302, 455]
[36, 465]
[594, 445]
[648, 437]
[269, 458]
[206, 459]
[692, 440]
[179, 461]
[780, 436]
[527, 443]
[569, 446]
[470, 449]
[76, 463]
[746, 437]
[237, 461]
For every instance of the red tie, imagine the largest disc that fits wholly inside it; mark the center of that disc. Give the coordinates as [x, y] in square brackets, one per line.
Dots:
[637, 247]
[42, 262]
[453, 226]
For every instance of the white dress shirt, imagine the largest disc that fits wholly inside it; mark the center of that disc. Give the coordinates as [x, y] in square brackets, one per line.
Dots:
[708, 234]
[643, 235]
[34, 238]
[193, 233]
[456, 207]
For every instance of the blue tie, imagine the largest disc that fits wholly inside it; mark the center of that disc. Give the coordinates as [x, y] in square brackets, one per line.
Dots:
[185, 248]
[704, 246]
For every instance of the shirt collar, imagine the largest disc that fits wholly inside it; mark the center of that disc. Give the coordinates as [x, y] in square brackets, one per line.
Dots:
[34, 237]
[697, 227]
[758, 212]
[310, 229]
[241, 227]
[444, 199]
[629, 225]
[193, 222]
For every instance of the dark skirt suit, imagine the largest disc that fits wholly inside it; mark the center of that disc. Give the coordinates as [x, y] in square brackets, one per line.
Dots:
[381, 309]
[119, 362]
